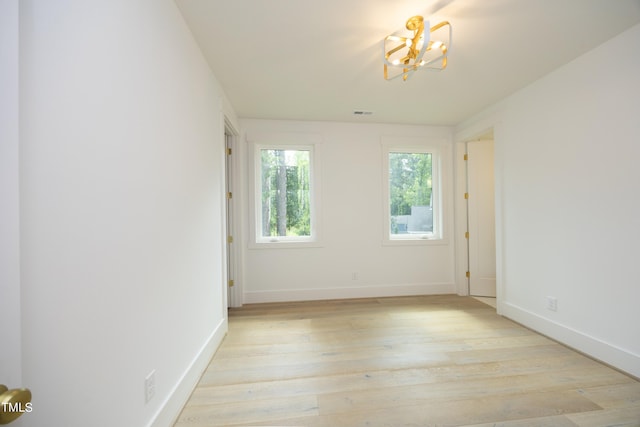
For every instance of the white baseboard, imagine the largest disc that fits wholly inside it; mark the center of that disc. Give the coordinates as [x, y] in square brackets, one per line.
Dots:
[171, 407]
[284, 295]
[603, 351]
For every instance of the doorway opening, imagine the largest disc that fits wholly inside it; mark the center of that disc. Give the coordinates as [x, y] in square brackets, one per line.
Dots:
[234, 298]
[480, 217]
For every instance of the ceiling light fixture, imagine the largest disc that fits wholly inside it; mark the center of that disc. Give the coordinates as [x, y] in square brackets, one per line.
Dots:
[407, 53]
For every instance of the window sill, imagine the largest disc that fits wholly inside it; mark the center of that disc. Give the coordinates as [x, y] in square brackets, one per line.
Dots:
[417, 241]
[285, 244]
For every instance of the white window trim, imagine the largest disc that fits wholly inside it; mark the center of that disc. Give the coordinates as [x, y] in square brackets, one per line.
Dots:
[438, 235]
[308, 142]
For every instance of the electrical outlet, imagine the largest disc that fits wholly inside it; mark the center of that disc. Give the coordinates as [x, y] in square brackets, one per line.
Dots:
[150, 386]
[552, 303]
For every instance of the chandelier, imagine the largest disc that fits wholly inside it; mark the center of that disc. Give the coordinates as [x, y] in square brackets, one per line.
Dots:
[404, 53]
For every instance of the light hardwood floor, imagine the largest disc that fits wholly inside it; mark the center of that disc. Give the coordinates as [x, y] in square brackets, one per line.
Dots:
[408, 361]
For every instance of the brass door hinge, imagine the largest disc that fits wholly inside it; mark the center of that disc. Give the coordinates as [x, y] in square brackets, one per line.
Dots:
[228, 151]
[230, 239]
[231, 283]
[468, 274]
[466, 234]
[229, 195]
[466, 157]
[466, 196]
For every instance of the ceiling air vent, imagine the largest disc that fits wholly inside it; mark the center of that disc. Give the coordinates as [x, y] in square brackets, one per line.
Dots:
[362, 113]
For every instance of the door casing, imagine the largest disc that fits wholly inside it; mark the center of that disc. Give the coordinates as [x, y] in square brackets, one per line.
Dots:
[481, 242]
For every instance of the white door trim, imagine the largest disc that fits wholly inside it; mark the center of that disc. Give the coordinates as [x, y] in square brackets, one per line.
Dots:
[233, 263]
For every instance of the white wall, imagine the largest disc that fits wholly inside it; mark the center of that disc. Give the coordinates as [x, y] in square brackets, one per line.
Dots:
[566, 166]
[352, 223]
[121, 211]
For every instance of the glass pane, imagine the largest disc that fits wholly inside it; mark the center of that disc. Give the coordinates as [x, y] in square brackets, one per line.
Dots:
[410, 192]
[286, 209]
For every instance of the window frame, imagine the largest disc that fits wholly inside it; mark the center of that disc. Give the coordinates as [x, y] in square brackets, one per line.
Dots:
[297, 142]
[437, 235]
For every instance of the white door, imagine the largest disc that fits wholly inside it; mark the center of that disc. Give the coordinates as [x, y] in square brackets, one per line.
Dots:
[481, 218]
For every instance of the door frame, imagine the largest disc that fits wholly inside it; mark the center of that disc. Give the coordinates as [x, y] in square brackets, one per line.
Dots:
[473, 281]
[11, 313]
[475, 131]
[232, 216]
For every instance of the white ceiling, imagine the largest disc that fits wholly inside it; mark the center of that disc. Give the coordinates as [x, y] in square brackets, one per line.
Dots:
[321, 59]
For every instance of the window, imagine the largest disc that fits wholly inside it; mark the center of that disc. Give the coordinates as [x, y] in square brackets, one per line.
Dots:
[285, 194]
[412, 194]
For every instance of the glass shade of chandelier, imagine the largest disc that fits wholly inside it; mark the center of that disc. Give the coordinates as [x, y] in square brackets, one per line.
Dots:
[404, 53]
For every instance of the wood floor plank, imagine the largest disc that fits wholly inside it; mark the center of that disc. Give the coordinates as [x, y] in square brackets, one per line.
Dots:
[401, 361]
[505, 386]
[469, 411]
[286, 370]
[248, 411]
[619, 417]
[615, 396]
[551, 421]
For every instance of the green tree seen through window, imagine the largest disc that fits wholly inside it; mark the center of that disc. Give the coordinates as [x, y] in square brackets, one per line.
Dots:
[286, 209]
[410, 186]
